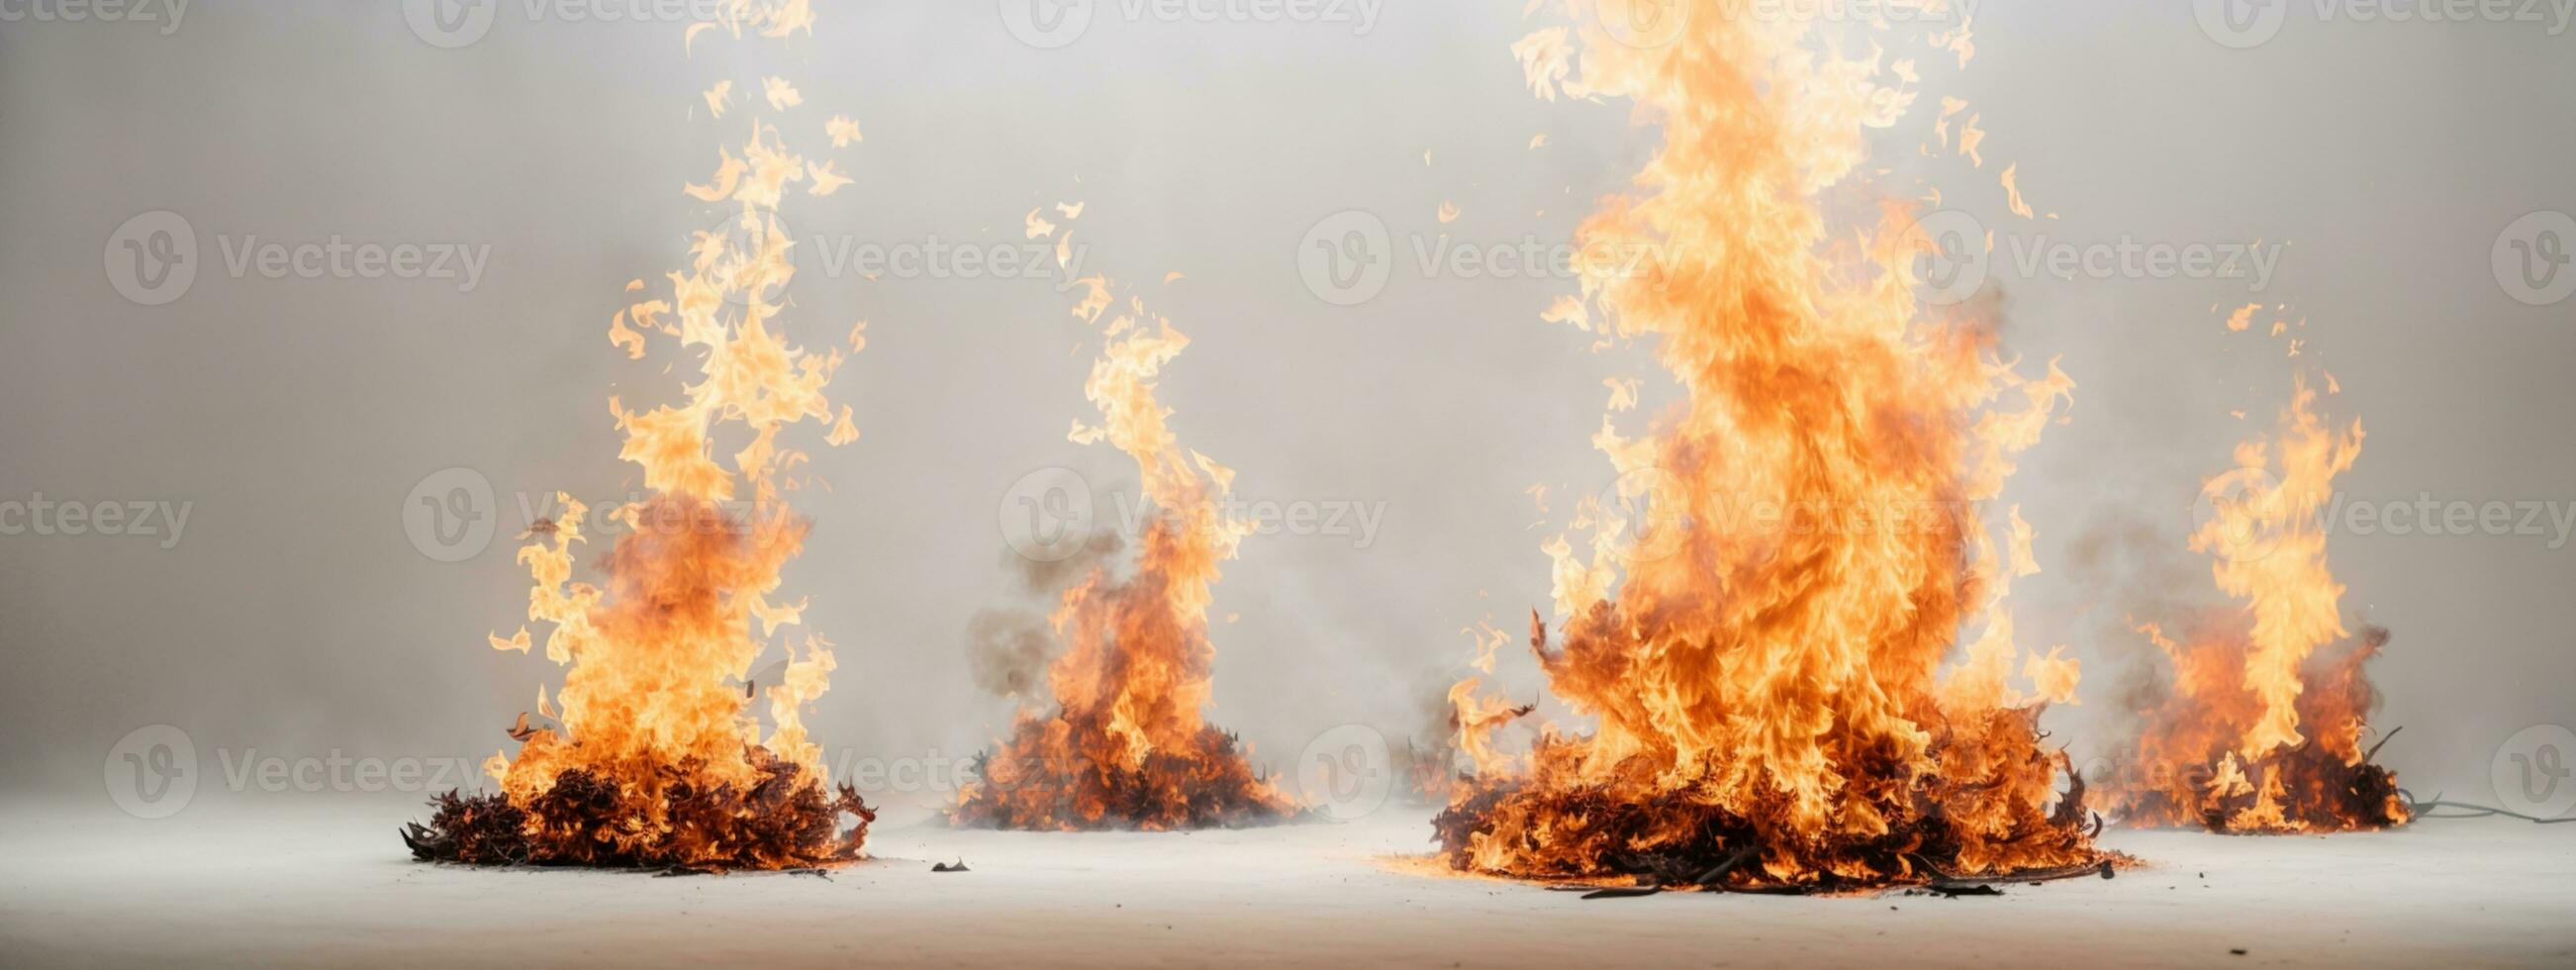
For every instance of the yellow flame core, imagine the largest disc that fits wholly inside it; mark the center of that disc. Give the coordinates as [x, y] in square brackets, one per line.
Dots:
[1759, 623]
[2293, 596]
[655, 659]
[1183, 552]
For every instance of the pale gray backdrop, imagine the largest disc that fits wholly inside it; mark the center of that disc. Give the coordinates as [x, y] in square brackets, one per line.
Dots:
[296, 616]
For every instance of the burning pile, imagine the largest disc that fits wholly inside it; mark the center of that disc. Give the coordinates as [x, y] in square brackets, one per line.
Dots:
[1802, 540]
[2259, 729]
[658, 761]
[1127, 746]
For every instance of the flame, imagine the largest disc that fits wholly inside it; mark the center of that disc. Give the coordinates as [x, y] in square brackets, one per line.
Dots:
[1759, 618]
[2261, 728]
[658, 758]
[1128, 745]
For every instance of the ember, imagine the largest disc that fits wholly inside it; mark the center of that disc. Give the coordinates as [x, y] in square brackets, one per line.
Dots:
[1772, 710]
[658, 760]
[1127, 745]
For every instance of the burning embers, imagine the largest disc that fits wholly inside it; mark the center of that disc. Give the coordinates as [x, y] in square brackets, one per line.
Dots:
[658, 759]
[1127, 746]
[2259, 726]
[1773, 712]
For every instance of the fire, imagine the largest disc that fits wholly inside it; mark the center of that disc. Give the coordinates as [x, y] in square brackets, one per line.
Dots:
[2260, 728]
[659, 760]
[1760, 621]
[1128, 745]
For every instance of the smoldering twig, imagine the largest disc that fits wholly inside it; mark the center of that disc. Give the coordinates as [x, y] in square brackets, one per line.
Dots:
[1712, 880]
[2372, 756]
[2425, 808]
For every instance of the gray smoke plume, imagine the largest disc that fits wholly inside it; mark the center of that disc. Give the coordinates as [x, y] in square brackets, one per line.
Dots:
[1007, 648]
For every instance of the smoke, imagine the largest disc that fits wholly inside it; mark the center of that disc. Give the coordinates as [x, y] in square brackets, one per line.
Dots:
[1330, 633]
[2146, 564]
[1049, 578]
[1434, 718]
[1008, 648]
[2140, 570]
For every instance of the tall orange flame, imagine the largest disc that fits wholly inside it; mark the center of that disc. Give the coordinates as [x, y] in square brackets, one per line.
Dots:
[2260, 728]
[658, 760]
[1760, 621]
[1128, 745]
